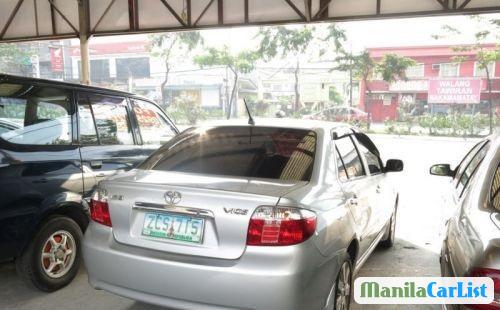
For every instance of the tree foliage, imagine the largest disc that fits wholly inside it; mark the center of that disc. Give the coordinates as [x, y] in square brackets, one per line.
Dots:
[393, 67]
[281, 41]
[171, 47]
[242, 62]
[16, 58]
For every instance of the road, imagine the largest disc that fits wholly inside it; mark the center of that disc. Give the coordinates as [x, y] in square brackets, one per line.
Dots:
[419, 225]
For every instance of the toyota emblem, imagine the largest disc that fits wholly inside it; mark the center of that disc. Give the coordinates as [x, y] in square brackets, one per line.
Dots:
[172, 197]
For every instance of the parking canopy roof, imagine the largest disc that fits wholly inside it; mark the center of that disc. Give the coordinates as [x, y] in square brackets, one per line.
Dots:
[54, 19]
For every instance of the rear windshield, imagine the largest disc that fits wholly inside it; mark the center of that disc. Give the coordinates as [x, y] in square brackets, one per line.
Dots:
[241, 151]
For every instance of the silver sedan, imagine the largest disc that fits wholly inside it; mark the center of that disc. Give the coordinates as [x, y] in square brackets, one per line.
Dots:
[277, 215]
[471, 246]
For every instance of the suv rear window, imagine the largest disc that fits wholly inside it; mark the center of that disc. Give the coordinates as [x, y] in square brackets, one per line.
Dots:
[242, 151]
[35, 115]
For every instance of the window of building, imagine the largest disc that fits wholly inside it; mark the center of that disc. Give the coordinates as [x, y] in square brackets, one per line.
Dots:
[449, 70]
[35, 115]
[112, 120]
[99, 70]
[416, 71]
[132, 67]
[481, 72]
[277, 87]
[350, 157]
[154, 128]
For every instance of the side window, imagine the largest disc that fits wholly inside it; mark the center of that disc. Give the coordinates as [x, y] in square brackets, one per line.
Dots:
[471, 168]
[373, 161]
[86, 124]
[341, 169]
[495, 190]
[111, 120]
[349, 157]
[466, 160]
[35, 115]
[154, 128]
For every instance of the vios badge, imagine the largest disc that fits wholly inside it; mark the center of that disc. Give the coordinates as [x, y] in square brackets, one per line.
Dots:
[173, 197]
[236, 211]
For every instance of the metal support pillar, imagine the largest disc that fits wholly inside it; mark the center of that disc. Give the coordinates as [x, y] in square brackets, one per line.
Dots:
[84, 41]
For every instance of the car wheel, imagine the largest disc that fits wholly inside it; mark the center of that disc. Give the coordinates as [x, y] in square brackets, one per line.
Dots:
[343, 285]
[53, 257]
[391, 234]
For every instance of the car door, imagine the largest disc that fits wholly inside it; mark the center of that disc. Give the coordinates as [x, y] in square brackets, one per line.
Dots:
[155, 128]
[39, 161]
[449, 195]
[382, 198]
[459, 226]
[108, 143]
[355, 185]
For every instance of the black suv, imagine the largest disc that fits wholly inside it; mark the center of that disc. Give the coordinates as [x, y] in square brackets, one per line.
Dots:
[57, 140]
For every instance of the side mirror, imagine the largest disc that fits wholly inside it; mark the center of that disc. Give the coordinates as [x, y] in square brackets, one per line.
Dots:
[394, 165]
[441, 170]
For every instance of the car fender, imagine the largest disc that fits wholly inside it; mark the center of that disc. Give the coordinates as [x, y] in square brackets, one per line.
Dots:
[66, 203]
[335, 230]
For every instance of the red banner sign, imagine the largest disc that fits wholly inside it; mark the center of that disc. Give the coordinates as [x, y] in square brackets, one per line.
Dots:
[56, 59]
[454, 91]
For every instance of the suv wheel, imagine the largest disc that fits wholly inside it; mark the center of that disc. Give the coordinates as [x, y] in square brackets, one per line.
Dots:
[53, 257]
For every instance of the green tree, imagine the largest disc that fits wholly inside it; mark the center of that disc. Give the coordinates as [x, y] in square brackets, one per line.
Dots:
[16, 58]
[488, 29]
[281, 41]
[240, 63]
[391, 67]
[171, 47]
[335, 96]
[362, 67]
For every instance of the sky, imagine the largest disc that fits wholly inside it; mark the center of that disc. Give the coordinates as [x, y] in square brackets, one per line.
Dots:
[360, 34]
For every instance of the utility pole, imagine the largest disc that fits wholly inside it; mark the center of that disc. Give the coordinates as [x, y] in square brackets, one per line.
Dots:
[350, 83]
[83, 18]
[350, 75]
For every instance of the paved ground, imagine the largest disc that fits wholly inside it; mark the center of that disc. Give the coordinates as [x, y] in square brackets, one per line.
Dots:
[416, 251]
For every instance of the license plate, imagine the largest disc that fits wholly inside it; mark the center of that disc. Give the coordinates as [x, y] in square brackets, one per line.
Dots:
[174, 227]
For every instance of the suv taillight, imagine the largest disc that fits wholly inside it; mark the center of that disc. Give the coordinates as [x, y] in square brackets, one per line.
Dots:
[494, 274]
[277, 226]
[99, 209]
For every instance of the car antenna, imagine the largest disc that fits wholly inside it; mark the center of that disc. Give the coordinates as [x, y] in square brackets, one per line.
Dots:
[250, 118]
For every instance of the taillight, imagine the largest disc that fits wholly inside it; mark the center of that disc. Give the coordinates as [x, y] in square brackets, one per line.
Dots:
[494, 274]
[99, 209]
[277, 226]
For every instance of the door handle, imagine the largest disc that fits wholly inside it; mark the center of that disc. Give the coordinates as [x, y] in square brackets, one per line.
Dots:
[96, 164]
[353, 201]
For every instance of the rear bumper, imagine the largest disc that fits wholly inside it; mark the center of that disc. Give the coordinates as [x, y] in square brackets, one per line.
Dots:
[292, 277]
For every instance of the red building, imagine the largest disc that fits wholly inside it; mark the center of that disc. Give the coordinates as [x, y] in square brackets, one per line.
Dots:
[435, 85]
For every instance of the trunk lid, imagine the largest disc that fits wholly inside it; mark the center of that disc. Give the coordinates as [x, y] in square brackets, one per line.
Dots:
[224, 203]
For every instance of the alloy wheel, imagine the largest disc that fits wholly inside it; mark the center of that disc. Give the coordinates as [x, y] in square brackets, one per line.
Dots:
[58, 254]
[343, 296]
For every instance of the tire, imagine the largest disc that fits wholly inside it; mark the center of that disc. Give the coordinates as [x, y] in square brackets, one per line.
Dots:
[391, 234]
[53, 258]
[343, 294]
